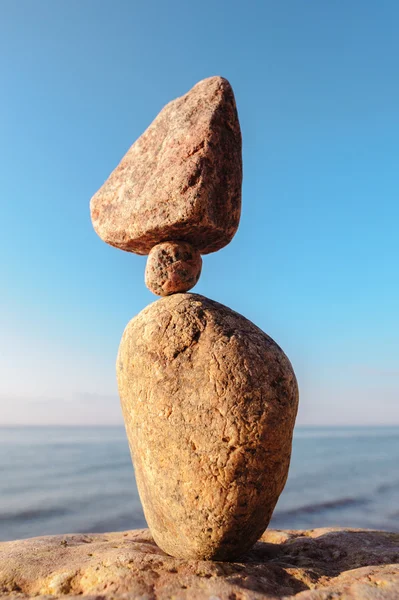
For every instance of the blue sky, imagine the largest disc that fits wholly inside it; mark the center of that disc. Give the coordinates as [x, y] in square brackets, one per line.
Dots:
[315, 260]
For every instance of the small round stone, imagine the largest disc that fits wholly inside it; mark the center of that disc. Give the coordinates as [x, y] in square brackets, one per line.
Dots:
[172, 267]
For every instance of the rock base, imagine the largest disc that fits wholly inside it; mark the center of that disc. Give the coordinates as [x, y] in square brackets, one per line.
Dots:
[320, 564]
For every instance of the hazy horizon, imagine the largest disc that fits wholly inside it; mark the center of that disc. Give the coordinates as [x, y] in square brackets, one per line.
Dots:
[298, 426]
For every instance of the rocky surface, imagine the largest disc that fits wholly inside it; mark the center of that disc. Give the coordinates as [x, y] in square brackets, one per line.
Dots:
[321, 564]
[172, 267]
[181, 180]
[209, 403]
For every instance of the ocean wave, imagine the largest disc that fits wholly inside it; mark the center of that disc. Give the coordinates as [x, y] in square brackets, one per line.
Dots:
[120, 522]
[319, 507]
[109, 466]
[33, 514]
[387, 487]
[308, 432]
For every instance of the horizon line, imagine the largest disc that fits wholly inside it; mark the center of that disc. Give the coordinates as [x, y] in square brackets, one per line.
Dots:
[121, 425]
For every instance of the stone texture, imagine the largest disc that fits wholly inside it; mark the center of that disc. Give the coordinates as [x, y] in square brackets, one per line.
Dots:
[181, 180]
[321, 564]
[172, 267]
[209, 404]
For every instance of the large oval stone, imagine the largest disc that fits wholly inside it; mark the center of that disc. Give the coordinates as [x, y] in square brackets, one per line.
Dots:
[209, 403]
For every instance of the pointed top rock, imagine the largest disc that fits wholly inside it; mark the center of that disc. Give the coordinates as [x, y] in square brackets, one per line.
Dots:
[181, 180]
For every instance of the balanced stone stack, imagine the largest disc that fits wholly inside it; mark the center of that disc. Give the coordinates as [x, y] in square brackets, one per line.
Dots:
[209, 400]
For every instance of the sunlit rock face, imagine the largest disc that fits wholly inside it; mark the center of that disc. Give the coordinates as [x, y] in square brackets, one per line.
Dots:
[181, 180]
[209, 403]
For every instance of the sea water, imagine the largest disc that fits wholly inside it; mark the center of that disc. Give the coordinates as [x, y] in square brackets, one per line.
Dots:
[80, 479]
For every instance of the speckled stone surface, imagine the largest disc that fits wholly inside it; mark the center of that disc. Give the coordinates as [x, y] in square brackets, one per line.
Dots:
[181, 180]
[320, 564]
[172, 267]
[209, 403]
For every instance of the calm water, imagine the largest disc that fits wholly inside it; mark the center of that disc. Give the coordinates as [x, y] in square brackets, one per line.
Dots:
[60, 480]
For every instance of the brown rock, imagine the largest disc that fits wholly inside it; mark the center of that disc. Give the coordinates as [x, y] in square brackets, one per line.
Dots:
[172, 267]
[181, 180]
[209, 403]
[321, 564]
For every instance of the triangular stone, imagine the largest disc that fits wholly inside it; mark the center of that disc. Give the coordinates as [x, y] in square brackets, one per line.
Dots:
[181, 180]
